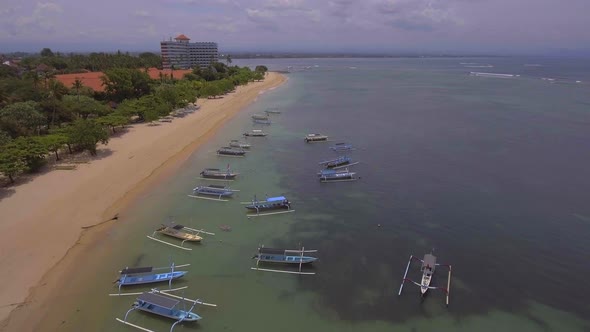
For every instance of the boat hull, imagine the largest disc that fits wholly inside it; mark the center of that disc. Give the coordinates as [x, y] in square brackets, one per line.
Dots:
[282, 259]
[174, 314]
[180, 235]
[212, 192]
[151, 278]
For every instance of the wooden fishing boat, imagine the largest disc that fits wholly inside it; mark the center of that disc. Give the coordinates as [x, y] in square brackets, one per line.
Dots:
[213, 190]
[295, 257]
[234, 143]
[261, 121]
[166, 305]
[427, 268]
[255, 133]
[332, 175]
[310, 138]
[180, 232]
[231, 152]
[270, 206]
[260, 117]
[147, 275]
[217, 174]
[338, 147]
[338, 162]
[272, 111]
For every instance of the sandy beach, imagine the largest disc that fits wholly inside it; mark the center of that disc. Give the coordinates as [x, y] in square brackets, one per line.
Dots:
[43, 219]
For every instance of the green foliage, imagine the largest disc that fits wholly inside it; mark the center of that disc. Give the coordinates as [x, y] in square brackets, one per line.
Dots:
[123, 83]
[30, 150]
[84, 106]
[8, 71]
[76, 63]
[113, 120]
[262, 69]
[53, 142]
[46, 52]
[10, 162]
[21, 119]
[258, 76]
[86, 134]
[4, 138]
[211, 89]
[14, 90]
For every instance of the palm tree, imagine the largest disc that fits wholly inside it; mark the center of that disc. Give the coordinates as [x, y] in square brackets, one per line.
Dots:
[55, 90]
[228, 59]
[77, 85]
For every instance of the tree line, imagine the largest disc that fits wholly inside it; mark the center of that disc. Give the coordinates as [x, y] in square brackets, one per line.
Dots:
[40, 116]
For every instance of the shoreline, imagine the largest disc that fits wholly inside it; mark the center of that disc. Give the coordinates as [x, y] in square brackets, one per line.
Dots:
[79, 215]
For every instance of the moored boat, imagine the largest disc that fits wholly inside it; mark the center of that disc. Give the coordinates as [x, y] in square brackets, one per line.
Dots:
[315, 138]
[231, 151]
[255, 133]
[234, 143]
[260, 117]
[179, 232]
[270, 206]
[217, 191]
[261, 121]
[164, 304]
[147, 275]
[293, 257]
[283, 256]
[332, 175]
[217, 174]
[340, 161]
[272, 111]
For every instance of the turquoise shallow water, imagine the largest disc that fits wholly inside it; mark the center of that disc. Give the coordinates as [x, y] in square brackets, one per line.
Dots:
[491, 173]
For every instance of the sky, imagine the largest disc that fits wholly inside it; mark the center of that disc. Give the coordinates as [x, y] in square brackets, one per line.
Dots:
[359, 26]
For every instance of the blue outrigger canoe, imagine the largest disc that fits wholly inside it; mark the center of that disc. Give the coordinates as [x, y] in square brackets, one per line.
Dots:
[213, 190]
[147, 275]
[284, 256]
[270, 206]
[165, 305]
[332, 175]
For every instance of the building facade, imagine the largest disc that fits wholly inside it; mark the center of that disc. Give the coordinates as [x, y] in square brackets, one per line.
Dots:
[182, 54]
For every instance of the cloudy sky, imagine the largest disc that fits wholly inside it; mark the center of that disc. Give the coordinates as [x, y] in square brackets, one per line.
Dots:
[478, 26]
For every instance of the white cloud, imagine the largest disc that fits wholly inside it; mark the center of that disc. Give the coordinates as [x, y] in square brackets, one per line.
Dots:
[43, 19]
[416, 14]
[141, 13]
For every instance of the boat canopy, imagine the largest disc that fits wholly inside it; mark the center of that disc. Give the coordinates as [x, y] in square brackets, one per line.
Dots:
[276, 199]
[135, 270]
[216, 186]
[159, 300]
[429, 260]
[177, 227]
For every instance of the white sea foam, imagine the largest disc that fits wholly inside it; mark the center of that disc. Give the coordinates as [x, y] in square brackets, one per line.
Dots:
[475, 73]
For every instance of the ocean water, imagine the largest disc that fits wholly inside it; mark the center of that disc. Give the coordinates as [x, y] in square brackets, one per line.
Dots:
[490, 173]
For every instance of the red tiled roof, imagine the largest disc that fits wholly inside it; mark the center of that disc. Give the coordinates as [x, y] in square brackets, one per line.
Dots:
[182, 37]
[92, 79]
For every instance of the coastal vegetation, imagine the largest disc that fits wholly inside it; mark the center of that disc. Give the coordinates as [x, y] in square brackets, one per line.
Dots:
[41, 117]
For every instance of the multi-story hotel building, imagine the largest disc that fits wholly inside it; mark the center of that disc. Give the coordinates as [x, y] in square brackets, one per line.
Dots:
[182, 55]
